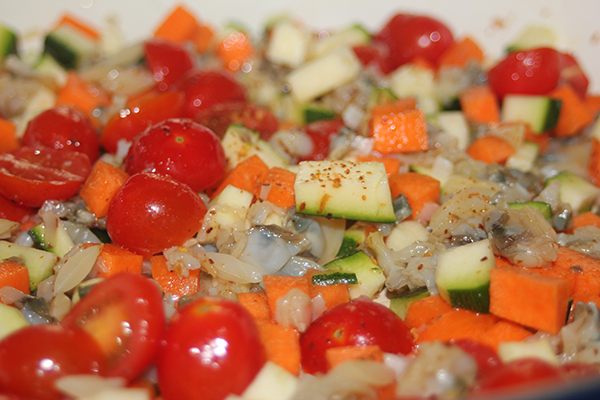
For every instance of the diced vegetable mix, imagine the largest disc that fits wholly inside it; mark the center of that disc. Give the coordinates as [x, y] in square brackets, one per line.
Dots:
[211, 215]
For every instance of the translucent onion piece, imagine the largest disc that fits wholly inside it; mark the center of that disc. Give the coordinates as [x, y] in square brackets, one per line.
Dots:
[268, 249]
[51, 222]
[294, 309]
[10, 295]
[230, 268]
[80, 233]
[74, 267]
[6, 228]
[86, 385]
[60, 306]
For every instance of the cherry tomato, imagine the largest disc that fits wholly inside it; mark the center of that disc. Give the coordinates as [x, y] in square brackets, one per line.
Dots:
[219, 117]
[168, 62]
[374, 54]
[579, 370]
[187, 151]
[486, 357]
[212, 348]
[63, 127]
[519, 374]
[409, 36]
[153, 212]
[321, 132]
[29, 176]
[359, 322]
[206, 88]
[534, 71]
[12, 211]
[128, 123]
[572, 74]
[124, 313]
[33, 358]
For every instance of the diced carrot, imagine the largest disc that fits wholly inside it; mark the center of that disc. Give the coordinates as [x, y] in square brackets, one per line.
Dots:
[460, 53]
[528, 298]
[114, 259]
[100, 187]
[333, 295]
[398, 105]
[282, 344]
[247, 175]
[84, 27]
[27, 225]
[256, 303]
[179, 26]
[235, 49]
[582, 271]
[421, 62]
[392, 165]
[593, 167]
[490, 149]
[402, 131]
[592, 103]
[170, 281]
[480, 105]
[277, 286]
[337, 355]
[81, 95]
[8, 136]
[586, 219]
[574, 115]
[504, 331]
[203, 38]
[14, 275]
[457, 324]
[426, 310]
[420, 189]
[280, 184]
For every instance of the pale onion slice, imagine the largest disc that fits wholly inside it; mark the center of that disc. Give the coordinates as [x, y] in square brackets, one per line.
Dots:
[78, 386]
[6, 228]
[60, 306]
[74, 267]
[230, 268]
[294, 309]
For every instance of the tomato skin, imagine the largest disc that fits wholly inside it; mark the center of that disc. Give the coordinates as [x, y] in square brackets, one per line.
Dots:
[12, 211]
[181, 148]
[518, 374]
[321, 132]
[31, 175]
[131, 305]
[572, 74]
[212, 348]
[152, 212]
[63, 127]
[409, 36]
[219, 117]
[535, 72]
[207, 88]
[359, 322]
[135, 119]
[33, 358]
[168, 62]
[374, 54]
[486, 357]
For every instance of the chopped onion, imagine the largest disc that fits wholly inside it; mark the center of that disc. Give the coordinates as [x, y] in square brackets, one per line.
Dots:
[294, 309]
[74, 267]
[7, 227]
[86, 385]
[60, 306]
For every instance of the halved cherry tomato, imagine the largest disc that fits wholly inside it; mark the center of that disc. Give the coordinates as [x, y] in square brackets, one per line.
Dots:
[33, 358]
[360, 323]
[219, 117]
[29, 176]
[212, 348]
[321, 133]
[486, 357]
[63, 127]
[124, 313]
[410, 36]
[153, 212]
[168, 62]
[181, 148]
[207, 88]
[13, 211]
[129, 123]
[534, 71]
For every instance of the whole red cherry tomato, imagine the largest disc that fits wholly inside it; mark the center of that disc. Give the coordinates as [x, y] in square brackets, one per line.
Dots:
[124, 313]
[212, 348]
[219, 117]
[374, 54]
[181, 148]
[359, 322]
[63, 127]
[410, 36]
[130, 122]
[534, 71]
[153, 212]
[486, 357]
[33, 358]
[29, 176]
[321, 132]
[519, 374]
[206, 88]
[168, 62]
